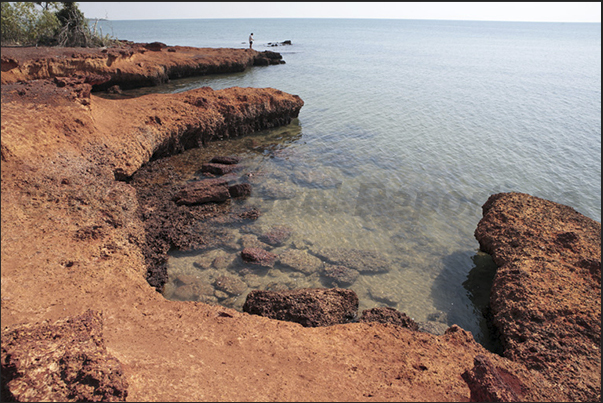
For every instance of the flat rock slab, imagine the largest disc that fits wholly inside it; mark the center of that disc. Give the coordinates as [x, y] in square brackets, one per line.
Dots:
[310, 307]
[362, 260]
[63, 361]
[204, 191]
[300, 260]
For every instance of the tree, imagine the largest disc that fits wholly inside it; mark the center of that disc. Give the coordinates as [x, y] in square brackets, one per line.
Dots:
[48, 23]
[24, 24]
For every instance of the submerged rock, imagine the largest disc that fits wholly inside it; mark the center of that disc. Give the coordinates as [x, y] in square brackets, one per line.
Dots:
[340, 275]
[278, 191]
[362, 260]
[276, 236]
[300, 260]
[258, 256]
[310, 307]
[313, 178]
[230, 285]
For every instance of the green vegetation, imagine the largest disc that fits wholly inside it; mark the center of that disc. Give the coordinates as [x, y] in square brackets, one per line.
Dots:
[49, 24]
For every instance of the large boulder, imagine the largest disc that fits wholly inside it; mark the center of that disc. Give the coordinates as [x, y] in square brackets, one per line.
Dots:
[546, 295]
[310, 307]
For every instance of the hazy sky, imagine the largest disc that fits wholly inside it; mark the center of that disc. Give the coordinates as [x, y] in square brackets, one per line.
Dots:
[517, 11]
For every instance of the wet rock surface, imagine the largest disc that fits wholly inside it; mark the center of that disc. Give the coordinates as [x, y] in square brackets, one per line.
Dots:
[308, 307]
[63, 361]
[546, 295]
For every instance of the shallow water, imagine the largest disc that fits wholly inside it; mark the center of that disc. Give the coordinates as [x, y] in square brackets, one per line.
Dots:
[407, 128]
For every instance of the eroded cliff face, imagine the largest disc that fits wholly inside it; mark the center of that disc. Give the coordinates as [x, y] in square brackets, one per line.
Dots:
[73, 241]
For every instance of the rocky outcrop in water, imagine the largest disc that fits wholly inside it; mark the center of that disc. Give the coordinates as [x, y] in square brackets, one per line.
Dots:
[546, 295]
[130, 65]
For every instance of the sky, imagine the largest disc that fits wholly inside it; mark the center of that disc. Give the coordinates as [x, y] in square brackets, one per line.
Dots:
[482, 11]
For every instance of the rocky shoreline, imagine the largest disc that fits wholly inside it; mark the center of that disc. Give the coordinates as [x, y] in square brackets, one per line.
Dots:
[76, 256]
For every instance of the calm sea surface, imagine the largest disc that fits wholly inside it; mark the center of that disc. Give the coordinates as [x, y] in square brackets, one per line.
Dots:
[408, 126]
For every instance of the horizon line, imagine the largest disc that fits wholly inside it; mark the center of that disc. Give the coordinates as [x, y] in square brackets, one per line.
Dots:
[342, 18]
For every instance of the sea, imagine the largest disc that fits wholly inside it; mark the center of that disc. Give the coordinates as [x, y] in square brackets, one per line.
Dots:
[408, 127]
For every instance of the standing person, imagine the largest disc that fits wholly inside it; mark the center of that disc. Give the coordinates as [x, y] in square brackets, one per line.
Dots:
[250, 40]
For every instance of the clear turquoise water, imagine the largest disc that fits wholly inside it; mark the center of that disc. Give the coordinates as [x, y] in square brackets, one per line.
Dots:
[419, 122]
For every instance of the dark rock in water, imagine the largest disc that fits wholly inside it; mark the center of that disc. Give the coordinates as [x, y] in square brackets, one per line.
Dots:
[388, 315]
[217, 169]
[287, 42]
[63, 361]
[276, 236]
[155, 46]
[258, 256]
[240, 190]
[310, 307]
[341, 275]
[267, 57]
[489, 383]
[230, 285]
[362, 260]
[219, 159]
[300, 260]
[204, 191]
